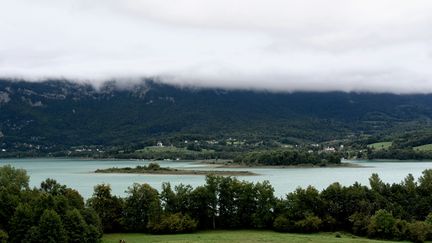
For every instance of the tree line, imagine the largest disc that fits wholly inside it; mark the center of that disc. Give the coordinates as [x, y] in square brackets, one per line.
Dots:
[55, 213]
[399, 153]
[289, 157]
[51, 213]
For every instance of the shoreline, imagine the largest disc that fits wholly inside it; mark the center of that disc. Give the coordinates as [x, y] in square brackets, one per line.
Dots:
[260, 166]
[169, 171]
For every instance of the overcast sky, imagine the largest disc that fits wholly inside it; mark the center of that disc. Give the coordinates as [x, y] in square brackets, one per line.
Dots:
[349, 45]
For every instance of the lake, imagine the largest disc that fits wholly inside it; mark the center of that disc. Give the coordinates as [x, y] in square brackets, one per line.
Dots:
[78, 174]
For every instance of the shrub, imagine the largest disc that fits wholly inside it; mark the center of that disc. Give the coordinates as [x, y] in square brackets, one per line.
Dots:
[382, 225]
[428, 219]
[3, 236]
[282, 224]
[360, 223]
[173, 224]
[153, 166]
[309, 224]
[418, 231]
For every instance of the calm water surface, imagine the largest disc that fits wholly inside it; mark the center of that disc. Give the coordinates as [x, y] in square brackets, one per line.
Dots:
[77, 174]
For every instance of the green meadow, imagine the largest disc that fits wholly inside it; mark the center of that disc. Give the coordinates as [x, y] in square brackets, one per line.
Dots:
[236, 236]
[380, 145]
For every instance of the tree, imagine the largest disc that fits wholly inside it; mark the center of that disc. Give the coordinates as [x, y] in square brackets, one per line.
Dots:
[201, 199]
[52, 187]
[75, 226]
[94, 230]
[12, 183]
[51, 228]
[228, 190]
[304, 202]
[178, 201]
[108, 207]
[265, 205]
[212, 187]
[142, 208]
[13, 180]
[21, 222]
[168, 198]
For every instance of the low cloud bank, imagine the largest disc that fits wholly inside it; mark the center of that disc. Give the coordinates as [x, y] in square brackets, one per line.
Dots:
[378, 46]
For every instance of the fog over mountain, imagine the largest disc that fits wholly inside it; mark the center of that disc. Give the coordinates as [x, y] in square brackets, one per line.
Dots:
[344, 45]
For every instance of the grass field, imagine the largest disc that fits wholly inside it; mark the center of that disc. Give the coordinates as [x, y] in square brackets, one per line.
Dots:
[235, 237]
[380, 145]
[426, 148]
[171, 152]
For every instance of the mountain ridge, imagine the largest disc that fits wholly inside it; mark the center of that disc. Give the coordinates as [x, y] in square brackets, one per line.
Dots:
[64, 113]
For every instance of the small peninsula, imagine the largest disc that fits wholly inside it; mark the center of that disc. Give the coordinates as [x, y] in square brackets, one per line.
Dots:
[154, 168]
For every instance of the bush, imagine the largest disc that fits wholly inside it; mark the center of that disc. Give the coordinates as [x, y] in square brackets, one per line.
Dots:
[418, 231]
[428, 219]
[174, 224]
[153, 166]
[282, 224]
[309, 224]
[3, 236]
[360, 223]
[401, 229]
[382, 225]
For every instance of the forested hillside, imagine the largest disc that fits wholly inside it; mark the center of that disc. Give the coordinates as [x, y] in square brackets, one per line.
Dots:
[46, 115]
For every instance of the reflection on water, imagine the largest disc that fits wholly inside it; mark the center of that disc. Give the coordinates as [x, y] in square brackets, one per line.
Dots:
[77, 174]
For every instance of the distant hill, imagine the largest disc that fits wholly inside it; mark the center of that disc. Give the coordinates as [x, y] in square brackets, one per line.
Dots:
[62, 113]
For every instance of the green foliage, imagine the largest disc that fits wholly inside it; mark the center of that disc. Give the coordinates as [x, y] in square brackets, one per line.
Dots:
[263, 217]
[309, 224]
[171, 152]
[13, 180]
[153, 166]
[52, 213]
[3, 236]
[55, 213]
[419, 231]
[94, 226]
[288, 157]
[359, 223]
[382, 225]
[142, 208]
[75, 226]
[23, 219]
[401, 154]
[283, 224]
[50, 228]
[12, 183]
[74, 115]
[108, 207]
[174, 224]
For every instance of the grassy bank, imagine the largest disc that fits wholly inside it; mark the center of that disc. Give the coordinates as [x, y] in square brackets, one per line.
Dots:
[235, 236]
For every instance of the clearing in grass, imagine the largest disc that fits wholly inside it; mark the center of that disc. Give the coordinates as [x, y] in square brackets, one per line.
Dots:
[424, 148]
[380, 145]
